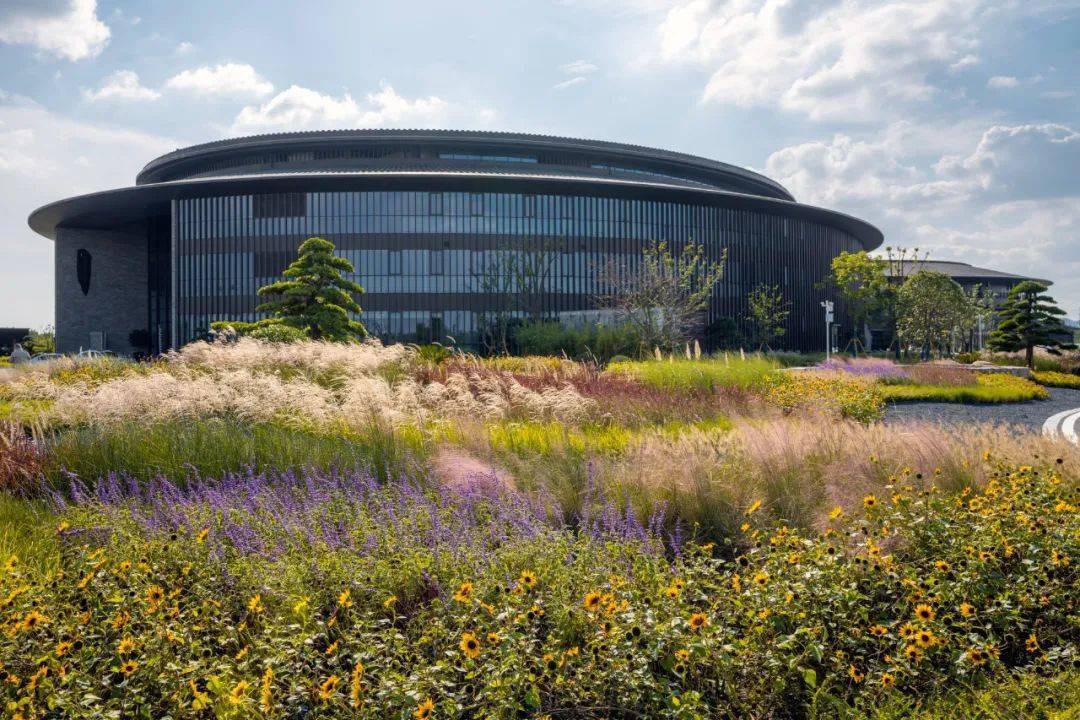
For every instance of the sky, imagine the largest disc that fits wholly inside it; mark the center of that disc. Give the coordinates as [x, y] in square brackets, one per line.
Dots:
[952, 125]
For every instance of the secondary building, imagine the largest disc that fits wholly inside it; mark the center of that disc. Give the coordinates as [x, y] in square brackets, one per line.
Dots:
[437, 225]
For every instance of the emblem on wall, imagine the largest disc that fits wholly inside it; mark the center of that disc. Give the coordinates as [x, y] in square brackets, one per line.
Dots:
[82, 269]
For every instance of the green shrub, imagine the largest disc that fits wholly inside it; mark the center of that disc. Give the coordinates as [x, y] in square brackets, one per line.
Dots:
[1049, 378]
[433, 353]
[278, 333]
[596, 341]
[989, 388]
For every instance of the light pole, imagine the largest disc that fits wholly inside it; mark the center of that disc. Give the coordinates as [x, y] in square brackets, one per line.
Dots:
[828, 305]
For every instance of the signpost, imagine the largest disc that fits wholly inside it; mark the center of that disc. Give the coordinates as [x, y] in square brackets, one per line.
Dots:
[828, 305]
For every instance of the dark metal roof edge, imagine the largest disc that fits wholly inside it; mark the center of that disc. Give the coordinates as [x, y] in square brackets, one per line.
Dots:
[980, 273]
[870, 236]
[536, 139]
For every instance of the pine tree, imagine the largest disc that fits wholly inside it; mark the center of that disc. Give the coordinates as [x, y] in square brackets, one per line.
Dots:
[314, 297]
[1030, 319]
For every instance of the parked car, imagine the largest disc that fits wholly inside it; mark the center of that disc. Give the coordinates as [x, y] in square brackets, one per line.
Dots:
[44, 357]
[95, 354]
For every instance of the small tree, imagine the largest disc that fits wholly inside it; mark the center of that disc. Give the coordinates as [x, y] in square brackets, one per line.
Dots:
[314, 297]
[863, 286]
[516, 276]
[768, 313]
[43, 341]
[662, 297]
[931, 307]
[1030, 319]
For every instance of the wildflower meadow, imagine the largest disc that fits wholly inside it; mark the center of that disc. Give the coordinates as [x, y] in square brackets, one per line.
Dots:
[320, 530]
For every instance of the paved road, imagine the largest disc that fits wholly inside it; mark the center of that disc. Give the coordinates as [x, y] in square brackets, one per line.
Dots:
[1065, 423]
[1029, 414]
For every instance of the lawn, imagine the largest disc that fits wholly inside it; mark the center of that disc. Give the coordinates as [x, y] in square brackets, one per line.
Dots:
[259, 530]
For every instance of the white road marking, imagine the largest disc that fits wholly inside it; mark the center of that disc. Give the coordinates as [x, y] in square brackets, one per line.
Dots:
[1065, 424]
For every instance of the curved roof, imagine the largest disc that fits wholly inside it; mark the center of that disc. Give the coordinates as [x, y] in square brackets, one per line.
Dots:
[956, 270]
[343, 150]
[112, 208]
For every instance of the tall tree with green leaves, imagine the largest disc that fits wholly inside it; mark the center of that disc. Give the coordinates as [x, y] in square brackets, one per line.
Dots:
[768, 313]
[861, 281]
[931, 309]
[314, 297]
[1030, 318]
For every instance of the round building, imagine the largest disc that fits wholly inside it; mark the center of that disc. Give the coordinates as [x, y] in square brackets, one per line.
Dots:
[438, 225]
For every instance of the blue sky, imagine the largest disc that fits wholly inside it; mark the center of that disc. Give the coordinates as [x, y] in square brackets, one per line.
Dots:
[954, 125]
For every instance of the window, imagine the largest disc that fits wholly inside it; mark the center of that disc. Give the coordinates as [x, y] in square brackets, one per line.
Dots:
[530, 205]
[436, 260]
[279, 205]
[487, 158]
[476, 204]
[435, 204]
[395, 262]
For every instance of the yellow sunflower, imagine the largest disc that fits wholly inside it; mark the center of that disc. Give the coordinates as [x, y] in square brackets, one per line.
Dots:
[924, 612]
[470, 645]
[424, 710]
[464, 592]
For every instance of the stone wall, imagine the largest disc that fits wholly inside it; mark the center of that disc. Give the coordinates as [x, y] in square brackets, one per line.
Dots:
[116, 302]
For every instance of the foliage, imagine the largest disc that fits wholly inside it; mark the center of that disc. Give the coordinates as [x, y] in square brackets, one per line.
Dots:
[591, 342]
[1029, 318]
[988, 388]
[768, 312]
[332, 596]
[710, 375]
[848, 397]
[1027, 694]
[663, 296]
[277, 333]
[314, 297]
[43, 341]
[931, 374]
[21, 458]
[177, 449]
[862, 283]
[518, 275]
[1056, 379]
[931, 307]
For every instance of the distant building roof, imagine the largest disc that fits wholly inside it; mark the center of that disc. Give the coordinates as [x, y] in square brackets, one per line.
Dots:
[956, 270]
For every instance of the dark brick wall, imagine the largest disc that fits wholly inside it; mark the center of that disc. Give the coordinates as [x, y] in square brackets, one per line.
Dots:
[117, 301]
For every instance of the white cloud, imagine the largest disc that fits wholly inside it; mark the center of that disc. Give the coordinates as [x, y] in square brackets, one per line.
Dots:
[300, 108]
[121, 85]
[1002, 81]
[1011, 202]
[578, 67]
[225, 79]
[44, 157]
[826, 59]
[184, 48]
[66, 28]
[964, 63]
[569, 83]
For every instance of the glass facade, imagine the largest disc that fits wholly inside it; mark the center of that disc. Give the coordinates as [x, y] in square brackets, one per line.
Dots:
[438, 264]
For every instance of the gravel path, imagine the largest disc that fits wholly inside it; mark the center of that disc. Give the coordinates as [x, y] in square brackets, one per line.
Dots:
[1031, 414]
